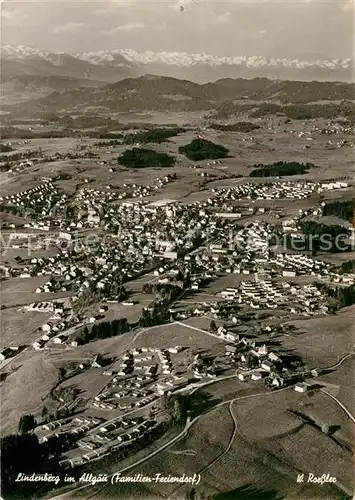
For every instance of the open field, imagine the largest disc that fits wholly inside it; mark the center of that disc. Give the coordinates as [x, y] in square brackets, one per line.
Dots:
[19, 291]
[341, 379]
[230, 458]
[20, 328]
[323, 341]
[32, 378]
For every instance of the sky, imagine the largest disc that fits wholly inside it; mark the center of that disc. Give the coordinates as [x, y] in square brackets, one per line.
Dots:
[301, 29]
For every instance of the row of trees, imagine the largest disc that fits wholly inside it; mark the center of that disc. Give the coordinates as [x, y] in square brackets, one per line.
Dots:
[156, 135]
[280, 168]
[113, 289]
[245, 127]
[165, 294]
[104, 330]
[164, 291]
[113, 142]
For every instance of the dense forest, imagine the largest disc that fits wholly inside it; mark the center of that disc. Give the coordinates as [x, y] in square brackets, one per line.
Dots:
[343, 209]
[201, 149]
[307, 111]
[22, 453]
[143, 158]
[347, 267]
[280, 169]
[316, 238]
[346, 109]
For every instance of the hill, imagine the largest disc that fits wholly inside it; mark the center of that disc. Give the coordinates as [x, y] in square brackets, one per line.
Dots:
[227, 96]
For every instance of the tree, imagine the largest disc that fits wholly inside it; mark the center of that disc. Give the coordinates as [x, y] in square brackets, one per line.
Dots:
[213, 326]
[27, 423]
[174, 407]
[44, 412]
[61, 373]
[94, 332]
[85, 334]
[191, 495]
[164, 402]
[147, 288]
[19, 453]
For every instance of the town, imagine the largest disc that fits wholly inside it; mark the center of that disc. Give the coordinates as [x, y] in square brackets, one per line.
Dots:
[143, 305]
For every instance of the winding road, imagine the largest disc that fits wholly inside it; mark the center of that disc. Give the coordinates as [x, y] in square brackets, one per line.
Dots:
[188, 425]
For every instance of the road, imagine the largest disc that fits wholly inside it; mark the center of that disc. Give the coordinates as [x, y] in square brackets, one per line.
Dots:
[199, 330]
[216, 459]
[190, 423]
[174, 440]
[341, 360]
[69, 331]
[349, 414]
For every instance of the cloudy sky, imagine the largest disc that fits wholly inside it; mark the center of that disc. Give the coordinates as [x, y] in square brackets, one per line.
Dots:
[303, 29]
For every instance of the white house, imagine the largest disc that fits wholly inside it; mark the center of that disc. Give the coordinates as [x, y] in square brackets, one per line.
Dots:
[300, 387]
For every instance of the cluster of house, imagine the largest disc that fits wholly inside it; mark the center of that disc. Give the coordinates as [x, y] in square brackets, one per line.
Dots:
[51, 331]
[110, 437]
[39, 200]
[139, 191]
[270, 294]
[9, 352]
[337, 127]
[255, 362]
[140, 236]
[136, 390]
[343, 143]
[19, 161]
[78, 427]
[18, 198]
[134, 378]
[346, 279]
[44, 307]
[298, 264]
[275, 190]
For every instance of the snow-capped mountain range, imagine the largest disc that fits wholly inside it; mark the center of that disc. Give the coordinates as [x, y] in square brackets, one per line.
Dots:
[184, 59]
[196, 67]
